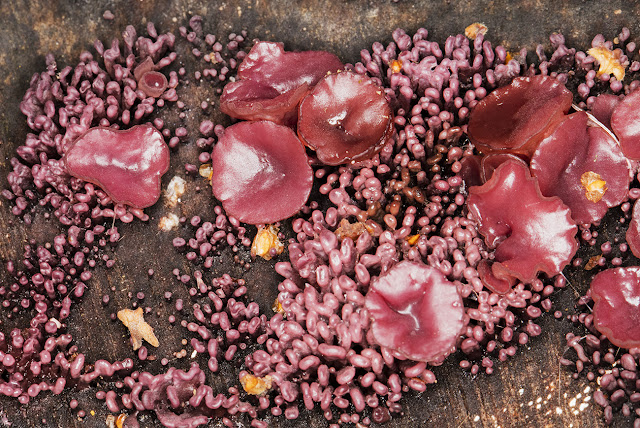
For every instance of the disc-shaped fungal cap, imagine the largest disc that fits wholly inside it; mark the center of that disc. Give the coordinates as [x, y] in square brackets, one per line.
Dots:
[345, 118]
[625, 122]
[516, 117]
[127, 165]
[272, 82]
[260, 172]
[616, 310]
[530, 233]
[584, 166]
[416, 311]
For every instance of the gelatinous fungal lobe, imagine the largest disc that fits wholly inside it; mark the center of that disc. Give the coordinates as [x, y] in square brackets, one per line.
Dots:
[582, 165]
[530, 233]
[272, 82]
[625, 122]
[127, 164]
[415, 311]
[616, 310]
[633, 231]
[516, 117]
[345, 118]
[150, 81]
[261, 172]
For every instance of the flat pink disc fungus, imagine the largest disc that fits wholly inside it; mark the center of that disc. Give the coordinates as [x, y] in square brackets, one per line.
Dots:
[345, 118]
[616, 310]
[516, 117]
[271, 82]
[625, 123]
[416, 311]
[530, 232]
[127, 165]
[584, 166]
[633, 231]
[260, 172]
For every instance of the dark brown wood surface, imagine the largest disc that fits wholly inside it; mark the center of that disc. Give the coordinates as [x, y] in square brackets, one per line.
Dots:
[528, 391]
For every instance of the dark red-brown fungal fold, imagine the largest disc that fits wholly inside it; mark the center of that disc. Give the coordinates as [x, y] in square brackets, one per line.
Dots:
[260, 172]
[529, 232]
[625, 122]
[271, 82]
[127, 164]
[516, 117]
[416, 311]
[616, 310]
[345, 118]
[603, 106]
[584, 166]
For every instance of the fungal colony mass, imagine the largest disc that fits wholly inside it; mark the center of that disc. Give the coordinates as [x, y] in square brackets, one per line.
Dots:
[428, 197]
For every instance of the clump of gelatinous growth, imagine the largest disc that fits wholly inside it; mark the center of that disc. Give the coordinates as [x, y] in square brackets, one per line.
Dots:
[126, 164]
[345, 118]
[625, 122]
[530, 232]
[260, 172]
[516, 117]
[616, 312]
[271, 82]
[582, 165]
[633, 231]
[416, 311]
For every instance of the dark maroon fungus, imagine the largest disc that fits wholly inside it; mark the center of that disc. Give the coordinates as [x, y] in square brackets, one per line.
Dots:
[345, 118]
[260, 172]
[271, 82]
[416, 312]
[616, 310]
[625, 122]
[516, 117]
[529, 232]
[584, 166]
[127, 164]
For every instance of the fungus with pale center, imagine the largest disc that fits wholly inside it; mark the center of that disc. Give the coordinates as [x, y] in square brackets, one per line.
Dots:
[416, 311]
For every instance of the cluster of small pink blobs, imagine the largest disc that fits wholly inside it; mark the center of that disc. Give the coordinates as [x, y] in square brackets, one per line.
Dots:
[590, 353]
[60, 105]
[319, 352]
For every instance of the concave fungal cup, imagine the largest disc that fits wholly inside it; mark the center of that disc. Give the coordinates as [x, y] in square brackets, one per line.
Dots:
[126, 164]
[413, 246]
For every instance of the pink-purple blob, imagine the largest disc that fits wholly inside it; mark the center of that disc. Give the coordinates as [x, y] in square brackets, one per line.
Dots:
[616, 310]
[416, 311]
[271, 82]
[345, 118]
[577, 147]
[260, 172]
[516, 117]
[625, 122]
[529, 232]
[127, 164]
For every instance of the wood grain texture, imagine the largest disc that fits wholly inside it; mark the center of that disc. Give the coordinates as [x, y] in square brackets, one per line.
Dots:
[528, 391]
